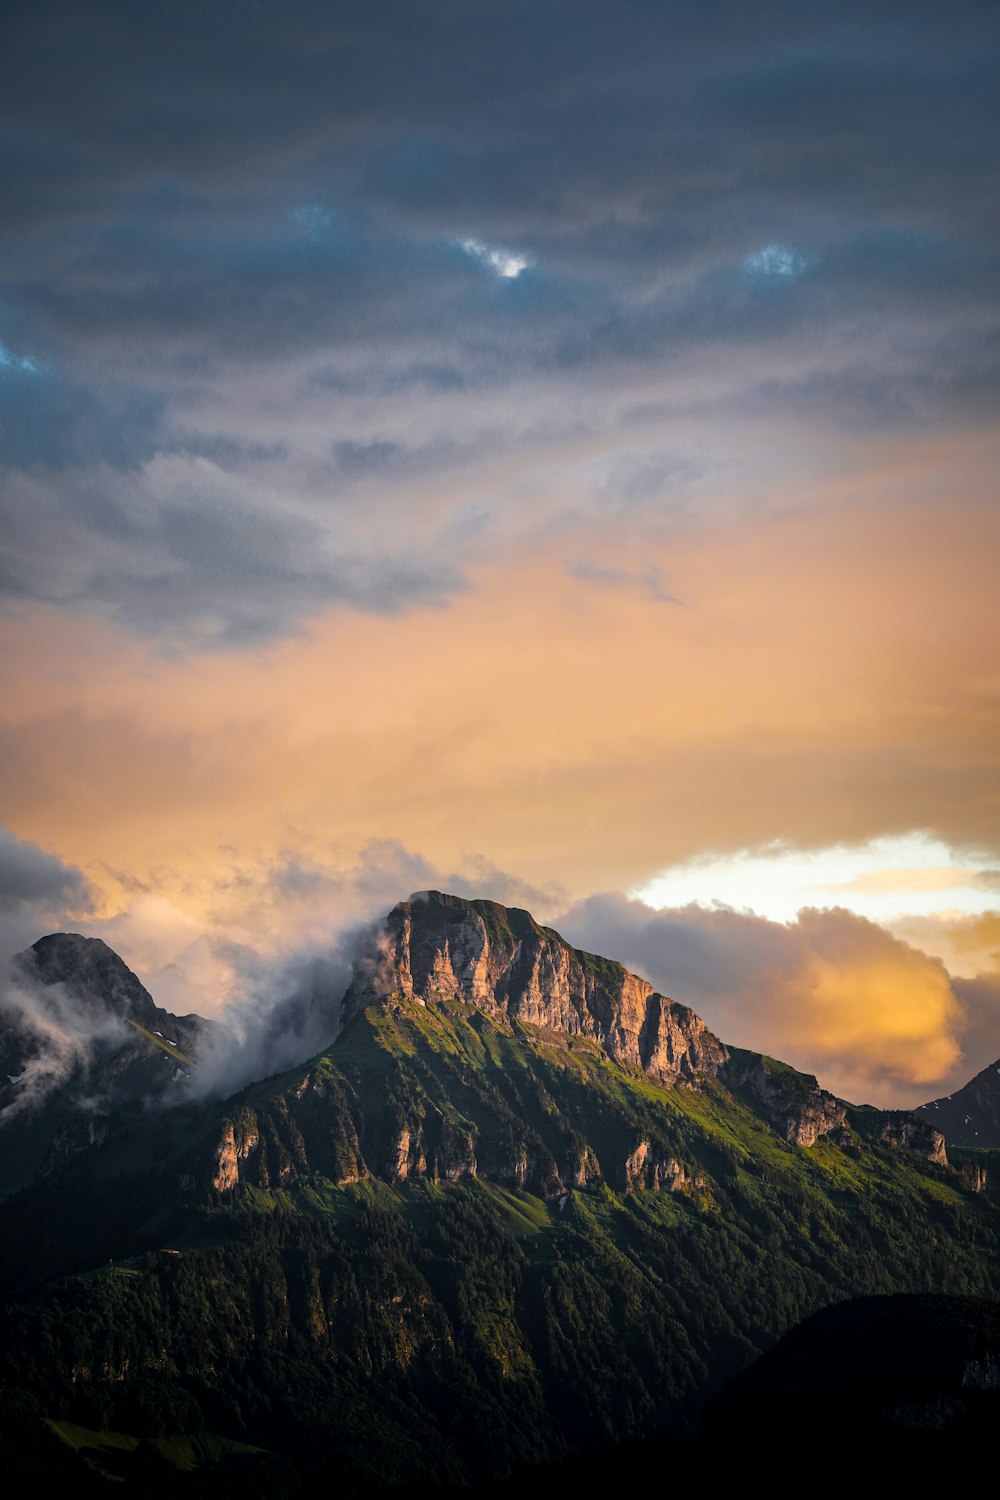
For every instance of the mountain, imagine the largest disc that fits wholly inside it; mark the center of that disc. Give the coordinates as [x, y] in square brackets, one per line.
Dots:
[80, 1039]
[970, 1116]
[523, 1208]
[437, 948]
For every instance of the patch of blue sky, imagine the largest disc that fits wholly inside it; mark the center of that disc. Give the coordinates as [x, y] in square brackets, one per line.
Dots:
[312, 218]
[776, 263]
[15, 363]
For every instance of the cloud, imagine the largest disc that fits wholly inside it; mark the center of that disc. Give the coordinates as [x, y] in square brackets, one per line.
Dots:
[778, 261]
[651, 580]
[505, 263]
[270, 956]
[37, 891]
[189, 554]
[17, 364]
[876, 1020]
[980, 998]
[312, 217]
[968, 944]
[256, 251]
[57, 1034]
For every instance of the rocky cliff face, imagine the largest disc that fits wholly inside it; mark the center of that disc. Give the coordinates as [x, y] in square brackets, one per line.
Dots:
[436, 948]
[913, 1134]
[321, 1124]
[792, 1102]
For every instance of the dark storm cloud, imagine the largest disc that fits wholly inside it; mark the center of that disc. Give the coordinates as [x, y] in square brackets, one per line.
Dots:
[29, 875]
[37, 890]
[621, 140]
[433, 200]
[196, 560]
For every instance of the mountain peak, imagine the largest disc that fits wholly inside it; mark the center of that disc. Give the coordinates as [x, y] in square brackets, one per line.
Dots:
[101, 981]
[80, 1035]
[438, 948]
[971, 1115]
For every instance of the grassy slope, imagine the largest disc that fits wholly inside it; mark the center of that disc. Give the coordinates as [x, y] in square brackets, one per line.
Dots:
[464, 1328]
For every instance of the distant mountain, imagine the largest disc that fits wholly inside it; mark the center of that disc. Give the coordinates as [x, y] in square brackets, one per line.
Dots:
[970, 1116]
[523, 1208]
[80, 1039]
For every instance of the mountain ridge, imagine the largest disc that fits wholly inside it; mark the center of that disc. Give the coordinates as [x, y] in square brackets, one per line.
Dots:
[437, 950]
[971, 1115]
[417, 1255]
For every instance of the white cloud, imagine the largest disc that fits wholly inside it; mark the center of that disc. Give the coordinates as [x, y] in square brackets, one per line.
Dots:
[504, 262]
[883, 879]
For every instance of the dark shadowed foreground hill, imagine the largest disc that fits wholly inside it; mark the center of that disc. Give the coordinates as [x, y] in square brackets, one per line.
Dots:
[522, 1209]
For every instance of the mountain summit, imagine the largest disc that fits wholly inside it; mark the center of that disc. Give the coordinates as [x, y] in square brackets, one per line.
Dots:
[80, 1037]
[435, 948]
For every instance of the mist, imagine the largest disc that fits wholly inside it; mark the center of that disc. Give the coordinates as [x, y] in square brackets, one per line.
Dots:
[53, 1034]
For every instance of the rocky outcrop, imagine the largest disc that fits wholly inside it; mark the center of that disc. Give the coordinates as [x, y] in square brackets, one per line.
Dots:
[974, 1176]
[237, 1144]
[438, 1153]
[913, 1134]
[436, 948]
[645, 1167]
[309, 1128]
[585, 1171]
[792, 1102]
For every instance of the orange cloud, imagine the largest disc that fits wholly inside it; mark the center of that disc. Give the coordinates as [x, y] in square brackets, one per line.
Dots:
[968, 945]
[832, 993]
[822, 681]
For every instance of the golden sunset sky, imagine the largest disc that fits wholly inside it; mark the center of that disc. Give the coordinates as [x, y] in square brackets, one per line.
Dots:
[543, 452]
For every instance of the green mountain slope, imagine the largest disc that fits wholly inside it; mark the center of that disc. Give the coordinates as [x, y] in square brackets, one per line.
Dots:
[622, 1249]
[460, 1240]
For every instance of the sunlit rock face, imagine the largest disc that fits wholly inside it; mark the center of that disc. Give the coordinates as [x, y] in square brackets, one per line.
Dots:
[916, 1135]
[436, 948]
[792, 1102]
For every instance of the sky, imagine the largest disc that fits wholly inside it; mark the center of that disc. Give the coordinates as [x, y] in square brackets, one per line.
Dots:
[544, 451]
